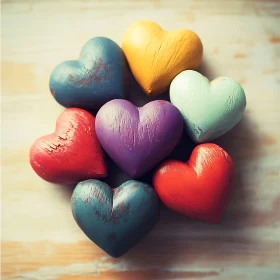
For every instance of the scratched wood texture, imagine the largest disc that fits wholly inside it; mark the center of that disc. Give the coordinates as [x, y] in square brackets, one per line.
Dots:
[40, 240]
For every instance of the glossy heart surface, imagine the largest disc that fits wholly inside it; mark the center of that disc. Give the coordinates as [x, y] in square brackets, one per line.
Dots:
[72, 153]
[135, 138]
[156, 56]
[98, 76]
[201, 187]
[209, 109]
[115, 219]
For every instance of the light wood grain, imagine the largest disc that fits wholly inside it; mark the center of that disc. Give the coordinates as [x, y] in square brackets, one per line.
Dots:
[40, 239]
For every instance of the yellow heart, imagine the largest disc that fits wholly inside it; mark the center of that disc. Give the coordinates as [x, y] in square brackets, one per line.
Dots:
[156, 56]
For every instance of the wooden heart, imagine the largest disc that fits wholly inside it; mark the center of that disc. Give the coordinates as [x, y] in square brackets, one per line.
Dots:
[72, 153]
[135, 138]
[115, 219]
[99, 75]
[209, 109]
[200, 188]
[156, 56]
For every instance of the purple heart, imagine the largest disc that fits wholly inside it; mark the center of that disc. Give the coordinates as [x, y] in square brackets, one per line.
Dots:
[135, 138]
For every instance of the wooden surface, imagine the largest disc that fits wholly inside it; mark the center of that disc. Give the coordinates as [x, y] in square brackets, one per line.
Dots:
[40, 240]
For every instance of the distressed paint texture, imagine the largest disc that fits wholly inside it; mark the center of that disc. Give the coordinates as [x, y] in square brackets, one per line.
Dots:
[115, 219]
[138, 138]
[97, 77]
[156, 56]
[201, 187]
[40, 239]
[72, 153]
[209, 109]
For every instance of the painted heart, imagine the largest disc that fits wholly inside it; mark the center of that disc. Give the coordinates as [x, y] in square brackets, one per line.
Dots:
[135, 138]
[209, 109]
[156, 56]
[99, 75]
[115, 219]
[201, 187]
[72, 153]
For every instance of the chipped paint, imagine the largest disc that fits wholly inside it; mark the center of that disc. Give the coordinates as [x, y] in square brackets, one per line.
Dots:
[99, 73]
[128, 210]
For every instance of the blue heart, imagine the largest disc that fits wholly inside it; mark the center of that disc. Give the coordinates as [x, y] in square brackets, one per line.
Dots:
[96, 78]
[115, 219]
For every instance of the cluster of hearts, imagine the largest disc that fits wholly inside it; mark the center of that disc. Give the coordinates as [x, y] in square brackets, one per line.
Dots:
[138, 139]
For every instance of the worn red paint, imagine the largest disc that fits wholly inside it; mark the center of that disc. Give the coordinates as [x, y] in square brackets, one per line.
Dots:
[119, 212]
[70, 154]
[100, 72]
[97, 213]
[200, 188]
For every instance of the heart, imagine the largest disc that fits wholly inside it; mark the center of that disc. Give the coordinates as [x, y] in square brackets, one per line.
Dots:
[135, 138]
[156, 56]
[72, 153]
[209, 109]
[201, 187]
[99, 75]
[115, 219]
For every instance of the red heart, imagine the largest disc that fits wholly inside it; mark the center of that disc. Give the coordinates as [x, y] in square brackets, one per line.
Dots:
[72, 153]
[199, 188]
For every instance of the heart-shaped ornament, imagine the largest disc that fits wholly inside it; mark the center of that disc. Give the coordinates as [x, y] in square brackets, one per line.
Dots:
[115, 219]
[156, 56]
[99, 75]
[135, 138]
[201, 187]
[72, 153]
[209, 109]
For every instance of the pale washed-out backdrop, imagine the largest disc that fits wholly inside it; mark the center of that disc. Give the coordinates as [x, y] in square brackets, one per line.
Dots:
[40, 240]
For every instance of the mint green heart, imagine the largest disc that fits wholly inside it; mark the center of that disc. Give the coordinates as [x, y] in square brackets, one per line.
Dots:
[209, 109]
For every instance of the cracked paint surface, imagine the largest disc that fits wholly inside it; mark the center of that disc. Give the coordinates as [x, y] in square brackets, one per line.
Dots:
[72, 153]
[199, 188]
[209, 109]
[98, 76]
[138, 138]
[115, 219]
[156, 56]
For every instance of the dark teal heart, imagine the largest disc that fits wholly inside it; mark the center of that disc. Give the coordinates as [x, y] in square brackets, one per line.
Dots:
[115, 219]
[98, 76]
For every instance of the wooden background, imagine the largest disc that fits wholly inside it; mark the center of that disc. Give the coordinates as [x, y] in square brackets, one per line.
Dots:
[40, 240]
